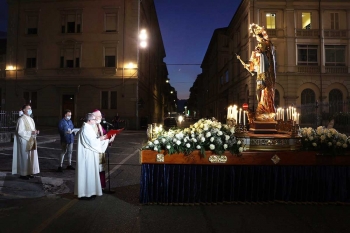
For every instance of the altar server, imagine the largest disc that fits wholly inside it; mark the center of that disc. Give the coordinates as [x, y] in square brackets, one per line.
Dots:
[25, 156]
[87, 179]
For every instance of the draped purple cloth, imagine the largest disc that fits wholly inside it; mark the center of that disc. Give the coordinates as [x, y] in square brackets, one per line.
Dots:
[171, 183]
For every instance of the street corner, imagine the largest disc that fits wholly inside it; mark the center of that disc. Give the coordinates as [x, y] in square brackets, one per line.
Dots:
[13, 187]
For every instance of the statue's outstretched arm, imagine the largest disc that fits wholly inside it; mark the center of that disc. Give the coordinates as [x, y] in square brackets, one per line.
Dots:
[246, 66]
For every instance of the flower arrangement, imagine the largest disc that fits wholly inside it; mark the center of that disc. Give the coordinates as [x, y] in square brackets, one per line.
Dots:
[327, 140]
[204, 135]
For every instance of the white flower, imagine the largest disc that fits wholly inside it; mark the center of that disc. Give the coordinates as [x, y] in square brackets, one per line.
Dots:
[155, 148]
[203, 139]
[225, 146]
[163, 140]
[240, 149]
[168, 147]
[150, 143]
[212, 146]
[212, 139]
[329, 144]
[239, 142]
[227, 137]
[156, 142]
[205, 127]
[178, 142]
[338, 144]
[311, 138]
[208, 134]
[198, 147]
[232, 130]
[194, 140]
[219, 133]
[314, 144]
[188, 145]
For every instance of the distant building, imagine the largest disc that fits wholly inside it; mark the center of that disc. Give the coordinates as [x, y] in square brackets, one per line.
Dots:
[312, 42]
[84, 55]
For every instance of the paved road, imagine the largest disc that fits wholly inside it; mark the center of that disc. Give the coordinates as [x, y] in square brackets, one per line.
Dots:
[47, 204]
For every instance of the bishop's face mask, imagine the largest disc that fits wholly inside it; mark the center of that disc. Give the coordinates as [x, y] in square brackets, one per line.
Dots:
[29, 112]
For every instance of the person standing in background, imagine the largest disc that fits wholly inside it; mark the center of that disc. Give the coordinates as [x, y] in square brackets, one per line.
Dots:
[25, 156]
[65, 128]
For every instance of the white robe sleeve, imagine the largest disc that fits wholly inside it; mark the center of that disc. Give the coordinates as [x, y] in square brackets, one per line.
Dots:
[89, 140]
[21, 130]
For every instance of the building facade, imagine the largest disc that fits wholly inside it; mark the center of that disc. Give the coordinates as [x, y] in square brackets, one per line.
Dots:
[312, 45]
[85, 55]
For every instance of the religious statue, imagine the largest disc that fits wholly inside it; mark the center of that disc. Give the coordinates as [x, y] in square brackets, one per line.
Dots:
[262, 61]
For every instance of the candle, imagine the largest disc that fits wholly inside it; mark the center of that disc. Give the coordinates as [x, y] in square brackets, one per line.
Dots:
[243, 117]
[239, 115]
[283, 114]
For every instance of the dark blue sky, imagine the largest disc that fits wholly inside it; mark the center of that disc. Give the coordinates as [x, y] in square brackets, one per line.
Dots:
[186, 27]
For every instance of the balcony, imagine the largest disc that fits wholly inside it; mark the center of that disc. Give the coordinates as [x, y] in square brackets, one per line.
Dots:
[335, 33]
[307, 32]
[308, 69]
[336, 69]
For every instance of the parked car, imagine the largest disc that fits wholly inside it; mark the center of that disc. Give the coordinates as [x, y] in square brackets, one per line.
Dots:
[170, 122]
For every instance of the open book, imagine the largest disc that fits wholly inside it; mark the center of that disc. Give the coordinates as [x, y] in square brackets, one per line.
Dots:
[113, 131]
[75, 131]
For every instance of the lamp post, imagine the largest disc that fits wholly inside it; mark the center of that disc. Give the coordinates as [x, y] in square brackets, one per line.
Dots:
[143, 43]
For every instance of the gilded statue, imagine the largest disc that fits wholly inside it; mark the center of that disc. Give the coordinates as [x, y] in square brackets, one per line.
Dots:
[262, 61]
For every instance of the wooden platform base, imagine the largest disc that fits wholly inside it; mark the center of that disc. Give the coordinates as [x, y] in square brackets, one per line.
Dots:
[246, 158]
[260, 127]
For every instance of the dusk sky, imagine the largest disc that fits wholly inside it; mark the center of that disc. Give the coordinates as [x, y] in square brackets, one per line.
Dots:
[186, 27]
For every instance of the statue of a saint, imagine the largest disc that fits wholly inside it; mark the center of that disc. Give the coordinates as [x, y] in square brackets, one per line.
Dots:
[262, 61]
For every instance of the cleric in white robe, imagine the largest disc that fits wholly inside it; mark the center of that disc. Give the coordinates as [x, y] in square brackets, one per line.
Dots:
[25, 156]
[87, 177]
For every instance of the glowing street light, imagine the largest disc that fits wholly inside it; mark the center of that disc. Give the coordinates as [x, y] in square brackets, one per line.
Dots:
[143, 38]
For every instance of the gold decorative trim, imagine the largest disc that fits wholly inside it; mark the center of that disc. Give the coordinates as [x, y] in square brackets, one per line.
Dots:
[275, 159]
[160, 158]
[217, 158]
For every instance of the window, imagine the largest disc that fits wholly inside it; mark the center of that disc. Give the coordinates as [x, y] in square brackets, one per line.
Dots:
[71, 22]
[335, 55]
[335, 21]
[31, 98]
[31, 59]
[335, 101]
[308, 96]
[277, 98]
[70, 58]
[32, 24]
[109, 100]
[307, 55]
[110, 57]
[111, 22]
[270, 21]
[306, 20]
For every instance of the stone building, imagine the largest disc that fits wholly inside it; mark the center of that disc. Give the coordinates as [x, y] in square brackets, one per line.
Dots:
[312, 45]
[85, 55]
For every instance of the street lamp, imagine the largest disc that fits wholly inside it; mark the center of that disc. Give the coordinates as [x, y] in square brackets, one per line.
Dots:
[185, 110]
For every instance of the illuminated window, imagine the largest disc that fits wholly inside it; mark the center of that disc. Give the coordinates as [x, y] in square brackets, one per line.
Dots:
[270, 21]
[306, 20]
